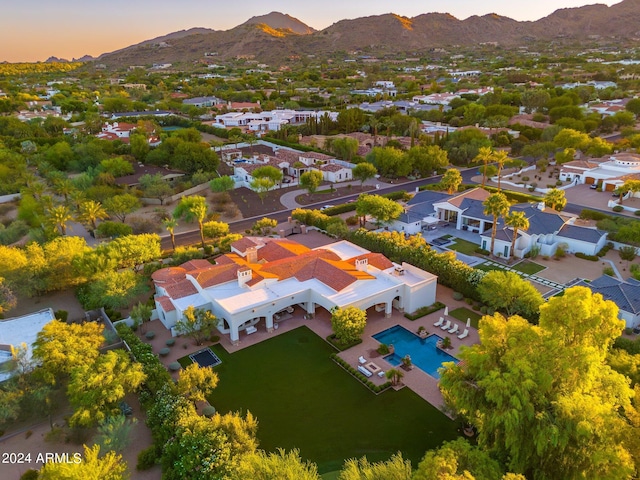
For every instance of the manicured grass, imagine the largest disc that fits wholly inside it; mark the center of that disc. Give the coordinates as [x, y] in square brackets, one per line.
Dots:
[463, 313]
[304, 400]
[487, 268]
[528, 267]
[464, 246]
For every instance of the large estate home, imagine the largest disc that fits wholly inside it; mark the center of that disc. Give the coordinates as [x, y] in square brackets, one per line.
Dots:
[609, 172]
[547, 230]
[263, 277]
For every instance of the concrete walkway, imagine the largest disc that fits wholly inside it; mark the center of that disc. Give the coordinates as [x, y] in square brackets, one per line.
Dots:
[288, 199]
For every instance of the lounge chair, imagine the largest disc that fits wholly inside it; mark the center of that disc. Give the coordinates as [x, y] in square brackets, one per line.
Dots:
[446, 326]
[454, 329]
[362, 360]
[439, 322]
[464, 334]
[381, 373]
[364, 371]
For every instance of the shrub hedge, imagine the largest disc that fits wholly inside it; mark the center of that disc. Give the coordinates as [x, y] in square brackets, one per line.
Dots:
[423, 311]
[364, 380]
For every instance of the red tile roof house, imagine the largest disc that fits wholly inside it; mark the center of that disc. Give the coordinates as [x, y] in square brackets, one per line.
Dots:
[264, 276]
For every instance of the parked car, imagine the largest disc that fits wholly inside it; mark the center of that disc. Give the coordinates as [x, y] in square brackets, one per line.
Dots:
[593, 186]
[325, 207]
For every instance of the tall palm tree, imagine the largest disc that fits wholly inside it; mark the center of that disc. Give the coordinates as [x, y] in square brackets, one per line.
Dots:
[517, 221]
[497, 206]
[92, 211]
[374, 123]
[170, 224]
[412, 130]
[485, 155]
[59, 216]
[500, 157]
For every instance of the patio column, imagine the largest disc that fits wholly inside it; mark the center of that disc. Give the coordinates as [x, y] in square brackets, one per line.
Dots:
[459, 222]
[269, 321]
[311, 308]
[387, 309]
[482, 229]
[233, 333]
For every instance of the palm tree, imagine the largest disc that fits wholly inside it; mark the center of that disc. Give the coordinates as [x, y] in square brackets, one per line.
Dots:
[59, 216]
[170, 224]
[500, 157]
[63, 187]
[517, 221]
[485, 155]
[412, 130]
[374, 123]
[92, 211]
[394, 375]
[497, 206]
[555, 198]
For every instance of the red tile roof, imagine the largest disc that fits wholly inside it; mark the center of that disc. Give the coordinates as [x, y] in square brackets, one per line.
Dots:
[243, 244]
[375, 259]
[196, 264]
[165, 303]
[180, 289]
[169, 274]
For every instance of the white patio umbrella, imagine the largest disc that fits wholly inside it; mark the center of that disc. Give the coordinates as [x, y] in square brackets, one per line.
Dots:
[468, 322]
[446, 311]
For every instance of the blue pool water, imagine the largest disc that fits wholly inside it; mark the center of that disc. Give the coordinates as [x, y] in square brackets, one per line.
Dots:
[423, 351]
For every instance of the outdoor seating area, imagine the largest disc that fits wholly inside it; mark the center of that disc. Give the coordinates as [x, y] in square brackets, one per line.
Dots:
[364, 370]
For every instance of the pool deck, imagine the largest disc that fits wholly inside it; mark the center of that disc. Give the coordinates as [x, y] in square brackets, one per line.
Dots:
[418, 381]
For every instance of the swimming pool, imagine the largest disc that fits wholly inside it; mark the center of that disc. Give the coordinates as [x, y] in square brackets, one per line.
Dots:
[423, 351]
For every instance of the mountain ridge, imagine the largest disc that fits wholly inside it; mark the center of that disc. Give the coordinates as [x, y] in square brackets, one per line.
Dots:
[276, 37]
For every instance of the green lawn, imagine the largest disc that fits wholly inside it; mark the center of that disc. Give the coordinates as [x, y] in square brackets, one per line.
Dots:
[463, 313]
[304, 400]
[464, 246]
[528, 267]
[487, 268]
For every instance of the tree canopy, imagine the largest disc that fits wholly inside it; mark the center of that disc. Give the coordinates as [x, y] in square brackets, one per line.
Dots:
[542, 396]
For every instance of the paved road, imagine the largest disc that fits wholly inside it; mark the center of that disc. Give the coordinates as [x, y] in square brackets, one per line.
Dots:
[193, 236]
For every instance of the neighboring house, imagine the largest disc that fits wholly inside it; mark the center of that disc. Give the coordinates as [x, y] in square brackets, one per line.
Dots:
[608, 172]
[625, 294]
[122, 131]
[547, 228]
[263, 276]
[203, 102]
[19, 330]
[268, 121]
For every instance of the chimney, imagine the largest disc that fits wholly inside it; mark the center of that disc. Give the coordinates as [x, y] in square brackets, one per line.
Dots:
[362, 264]
[244, 275]
[252, 255]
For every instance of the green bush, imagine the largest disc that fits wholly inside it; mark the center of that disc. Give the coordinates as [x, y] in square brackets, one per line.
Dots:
[61, 315]
[593, 258]
[603, 251]
[164, 351]
[468, 301]
[608, 271]
[383, 349]
[592, 215]
[637, 213]
[175, 366]
[458, 296]
[214, 338]
[423, 311]
[482, 251]
[483, 309]
[147, 458]
[171, 342]
[209, 411]
[618, 208]
[150, 335]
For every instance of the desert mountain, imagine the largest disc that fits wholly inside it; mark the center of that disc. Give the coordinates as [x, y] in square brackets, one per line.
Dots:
[275, 37]
[280, 21]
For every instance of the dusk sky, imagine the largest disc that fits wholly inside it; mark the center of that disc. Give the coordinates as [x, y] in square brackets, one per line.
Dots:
[34, 30]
